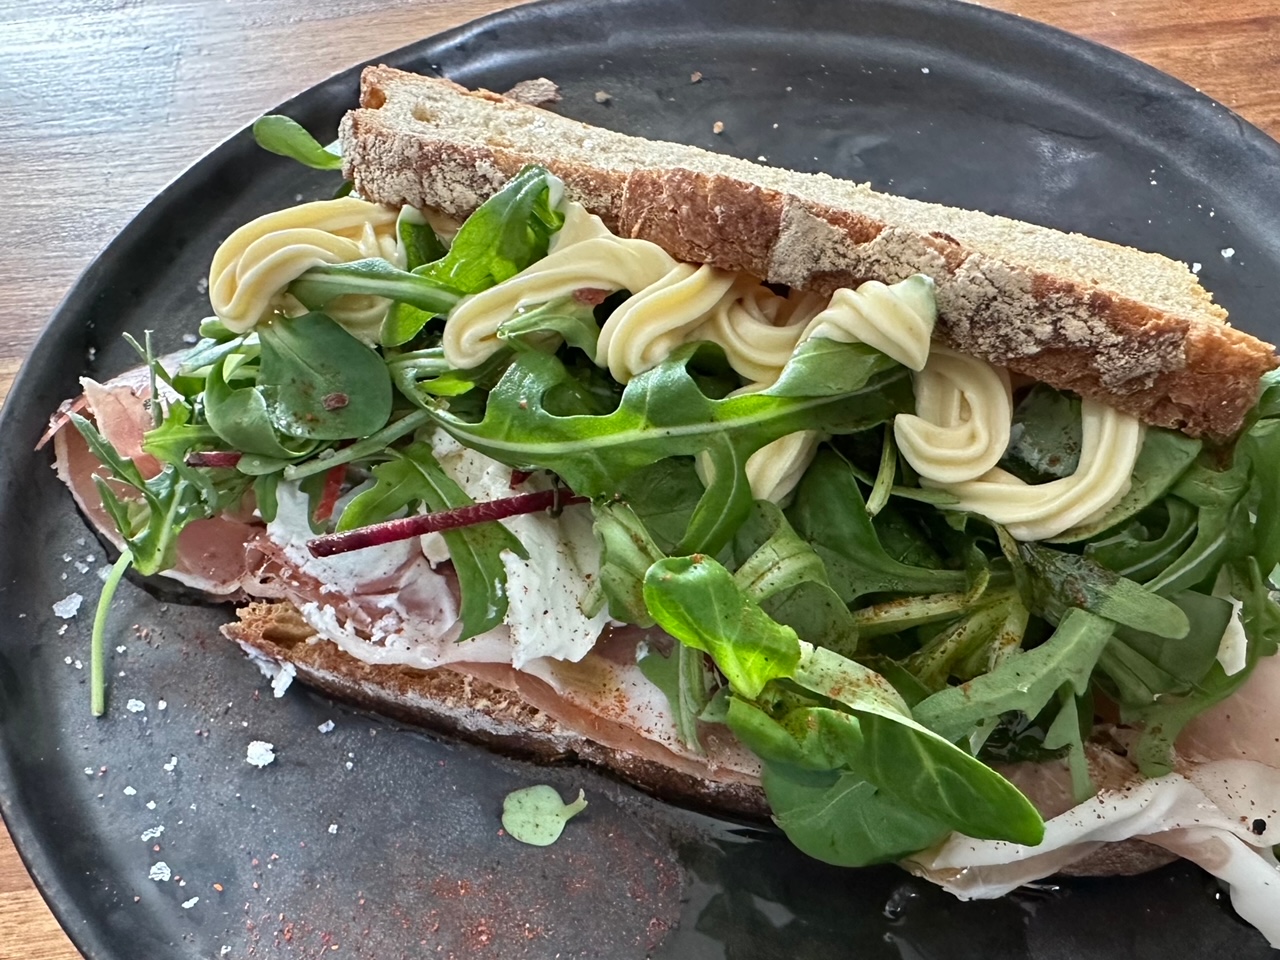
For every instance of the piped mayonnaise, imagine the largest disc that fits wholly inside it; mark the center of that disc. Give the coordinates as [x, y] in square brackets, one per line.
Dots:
[1110, 444]
[253, 267]
[964, 412]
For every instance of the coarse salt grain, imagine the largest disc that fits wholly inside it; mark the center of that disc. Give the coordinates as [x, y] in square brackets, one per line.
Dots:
[159, 872]
[135, 706]
[151, 804]
[129, 791]
[326, 727]
[1228, 252]
[333, 828]
[168, 767]
[68, 606]
[162, 705]
[188, 904]
[152, 832]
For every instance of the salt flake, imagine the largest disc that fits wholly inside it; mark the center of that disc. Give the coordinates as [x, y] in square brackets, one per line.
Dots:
[326, 727]
[188, 904]
[135, 706]
[160, 872]
[152, 832]
[129, 791]
[68, 606]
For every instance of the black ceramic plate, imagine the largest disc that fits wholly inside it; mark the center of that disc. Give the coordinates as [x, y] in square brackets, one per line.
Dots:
[376, 842]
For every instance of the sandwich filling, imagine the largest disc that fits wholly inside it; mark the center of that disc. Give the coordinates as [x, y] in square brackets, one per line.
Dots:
[794, 540]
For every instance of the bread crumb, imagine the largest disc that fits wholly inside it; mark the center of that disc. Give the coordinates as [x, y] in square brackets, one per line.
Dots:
[603, 97]
[718, 127]
[535, 93]
[695, 77]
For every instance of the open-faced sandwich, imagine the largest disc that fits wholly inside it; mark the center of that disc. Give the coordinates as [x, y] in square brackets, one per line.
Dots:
[940, 538]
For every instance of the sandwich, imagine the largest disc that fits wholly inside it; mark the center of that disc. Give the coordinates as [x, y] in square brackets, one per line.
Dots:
[936, 537]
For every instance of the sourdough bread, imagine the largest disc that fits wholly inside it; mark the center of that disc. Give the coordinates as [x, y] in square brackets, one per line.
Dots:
[1132, 329]
[450, 702]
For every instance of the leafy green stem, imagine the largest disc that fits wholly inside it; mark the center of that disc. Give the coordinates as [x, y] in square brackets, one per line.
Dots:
[374, 443]
[97, 642]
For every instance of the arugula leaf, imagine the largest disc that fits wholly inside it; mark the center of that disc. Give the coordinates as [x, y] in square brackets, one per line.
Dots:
[1025, 681]
[1065, 733]
[684, 679]
[1144, 666]
[1061, 581]
[286, 137]
[787, 578]
[377, 278]
[566, 319]
[177, 435]
[320, 382]
[1218, 496]
[239, 417]
[976, 630]
[663, 414]
[773, 557]
[420, 242]
[1164, 720]
[166, 503]
[829, 512]
[696, 601]
[663, 496]
[1261, 445]
[413, 476]
[1149, 544]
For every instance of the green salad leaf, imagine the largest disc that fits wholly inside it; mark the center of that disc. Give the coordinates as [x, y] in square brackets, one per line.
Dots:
[1025, 681]
[286, 137]
[319, 381]
[685, 680]
[829, 512]
[696, 601]
[663, 413]
[536, 815]
[833, 715]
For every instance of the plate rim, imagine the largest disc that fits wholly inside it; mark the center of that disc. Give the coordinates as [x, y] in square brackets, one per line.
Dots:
[77, 301]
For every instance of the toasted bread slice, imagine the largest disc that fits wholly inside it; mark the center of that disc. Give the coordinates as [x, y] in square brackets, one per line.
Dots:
[1131, 329]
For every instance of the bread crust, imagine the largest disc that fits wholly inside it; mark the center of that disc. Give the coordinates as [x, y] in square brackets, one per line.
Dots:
[1163, 353]
[471, 709]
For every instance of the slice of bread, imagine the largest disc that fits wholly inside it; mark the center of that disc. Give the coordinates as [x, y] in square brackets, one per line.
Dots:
[1132, 329]
[450, 701]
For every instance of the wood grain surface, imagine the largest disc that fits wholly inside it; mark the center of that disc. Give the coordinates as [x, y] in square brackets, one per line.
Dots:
[103, 102]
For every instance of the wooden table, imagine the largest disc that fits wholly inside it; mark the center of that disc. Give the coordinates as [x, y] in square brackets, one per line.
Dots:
[103, 102]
